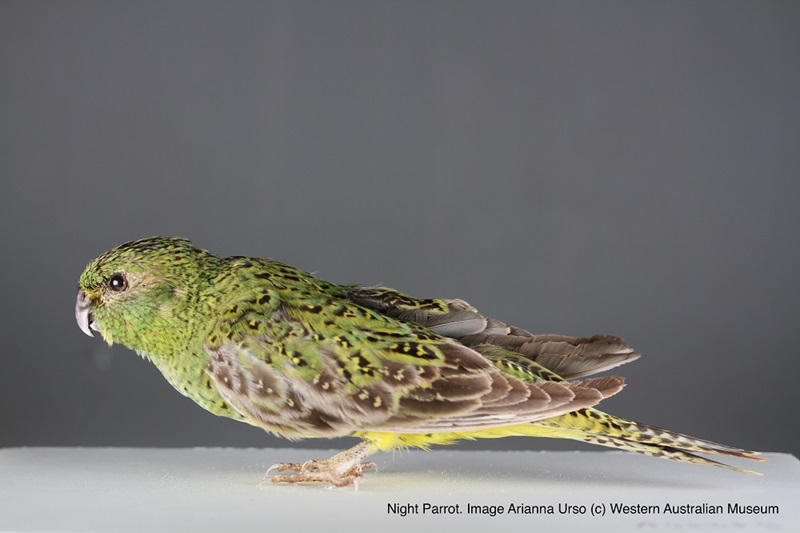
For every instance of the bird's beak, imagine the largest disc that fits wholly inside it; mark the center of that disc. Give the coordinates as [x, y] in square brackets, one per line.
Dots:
[83, 313]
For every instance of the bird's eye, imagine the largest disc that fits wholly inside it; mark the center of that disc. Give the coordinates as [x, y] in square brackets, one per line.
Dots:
[117, 283]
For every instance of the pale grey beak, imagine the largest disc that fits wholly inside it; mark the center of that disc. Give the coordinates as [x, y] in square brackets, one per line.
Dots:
[83, 313]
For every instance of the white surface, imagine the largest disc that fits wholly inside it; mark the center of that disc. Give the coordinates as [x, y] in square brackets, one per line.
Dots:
[124, 489]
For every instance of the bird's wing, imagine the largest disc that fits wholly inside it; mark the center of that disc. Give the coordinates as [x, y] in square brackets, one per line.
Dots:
[569, 357]
[304, 363]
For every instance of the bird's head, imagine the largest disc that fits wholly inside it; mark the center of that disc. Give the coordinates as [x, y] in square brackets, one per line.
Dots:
[143, 294]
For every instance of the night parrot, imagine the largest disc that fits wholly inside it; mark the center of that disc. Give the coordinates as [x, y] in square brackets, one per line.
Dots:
[271, 345]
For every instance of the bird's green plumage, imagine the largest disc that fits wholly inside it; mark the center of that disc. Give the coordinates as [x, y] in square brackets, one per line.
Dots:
[274, 346]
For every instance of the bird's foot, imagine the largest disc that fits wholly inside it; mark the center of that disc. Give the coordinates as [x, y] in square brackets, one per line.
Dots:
[341, 470]
[318, 472]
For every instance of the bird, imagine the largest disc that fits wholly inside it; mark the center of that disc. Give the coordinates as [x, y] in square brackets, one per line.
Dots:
[278, 348]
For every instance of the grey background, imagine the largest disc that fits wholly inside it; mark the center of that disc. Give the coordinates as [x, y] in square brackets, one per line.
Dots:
[599, 167]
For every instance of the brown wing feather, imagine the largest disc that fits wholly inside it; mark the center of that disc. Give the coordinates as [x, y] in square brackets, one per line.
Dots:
[466, 391]
[569, 357]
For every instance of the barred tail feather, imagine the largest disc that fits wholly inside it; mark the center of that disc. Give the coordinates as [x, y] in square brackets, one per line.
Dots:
[596, 427]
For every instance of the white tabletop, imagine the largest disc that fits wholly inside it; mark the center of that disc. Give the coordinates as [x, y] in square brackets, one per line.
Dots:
[133, 489]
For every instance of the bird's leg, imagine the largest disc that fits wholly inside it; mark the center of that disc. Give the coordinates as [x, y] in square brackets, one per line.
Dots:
[340, 470]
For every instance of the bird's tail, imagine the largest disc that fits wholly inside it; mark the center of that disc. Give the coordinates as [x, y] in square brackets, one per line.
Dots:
[597, 427]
